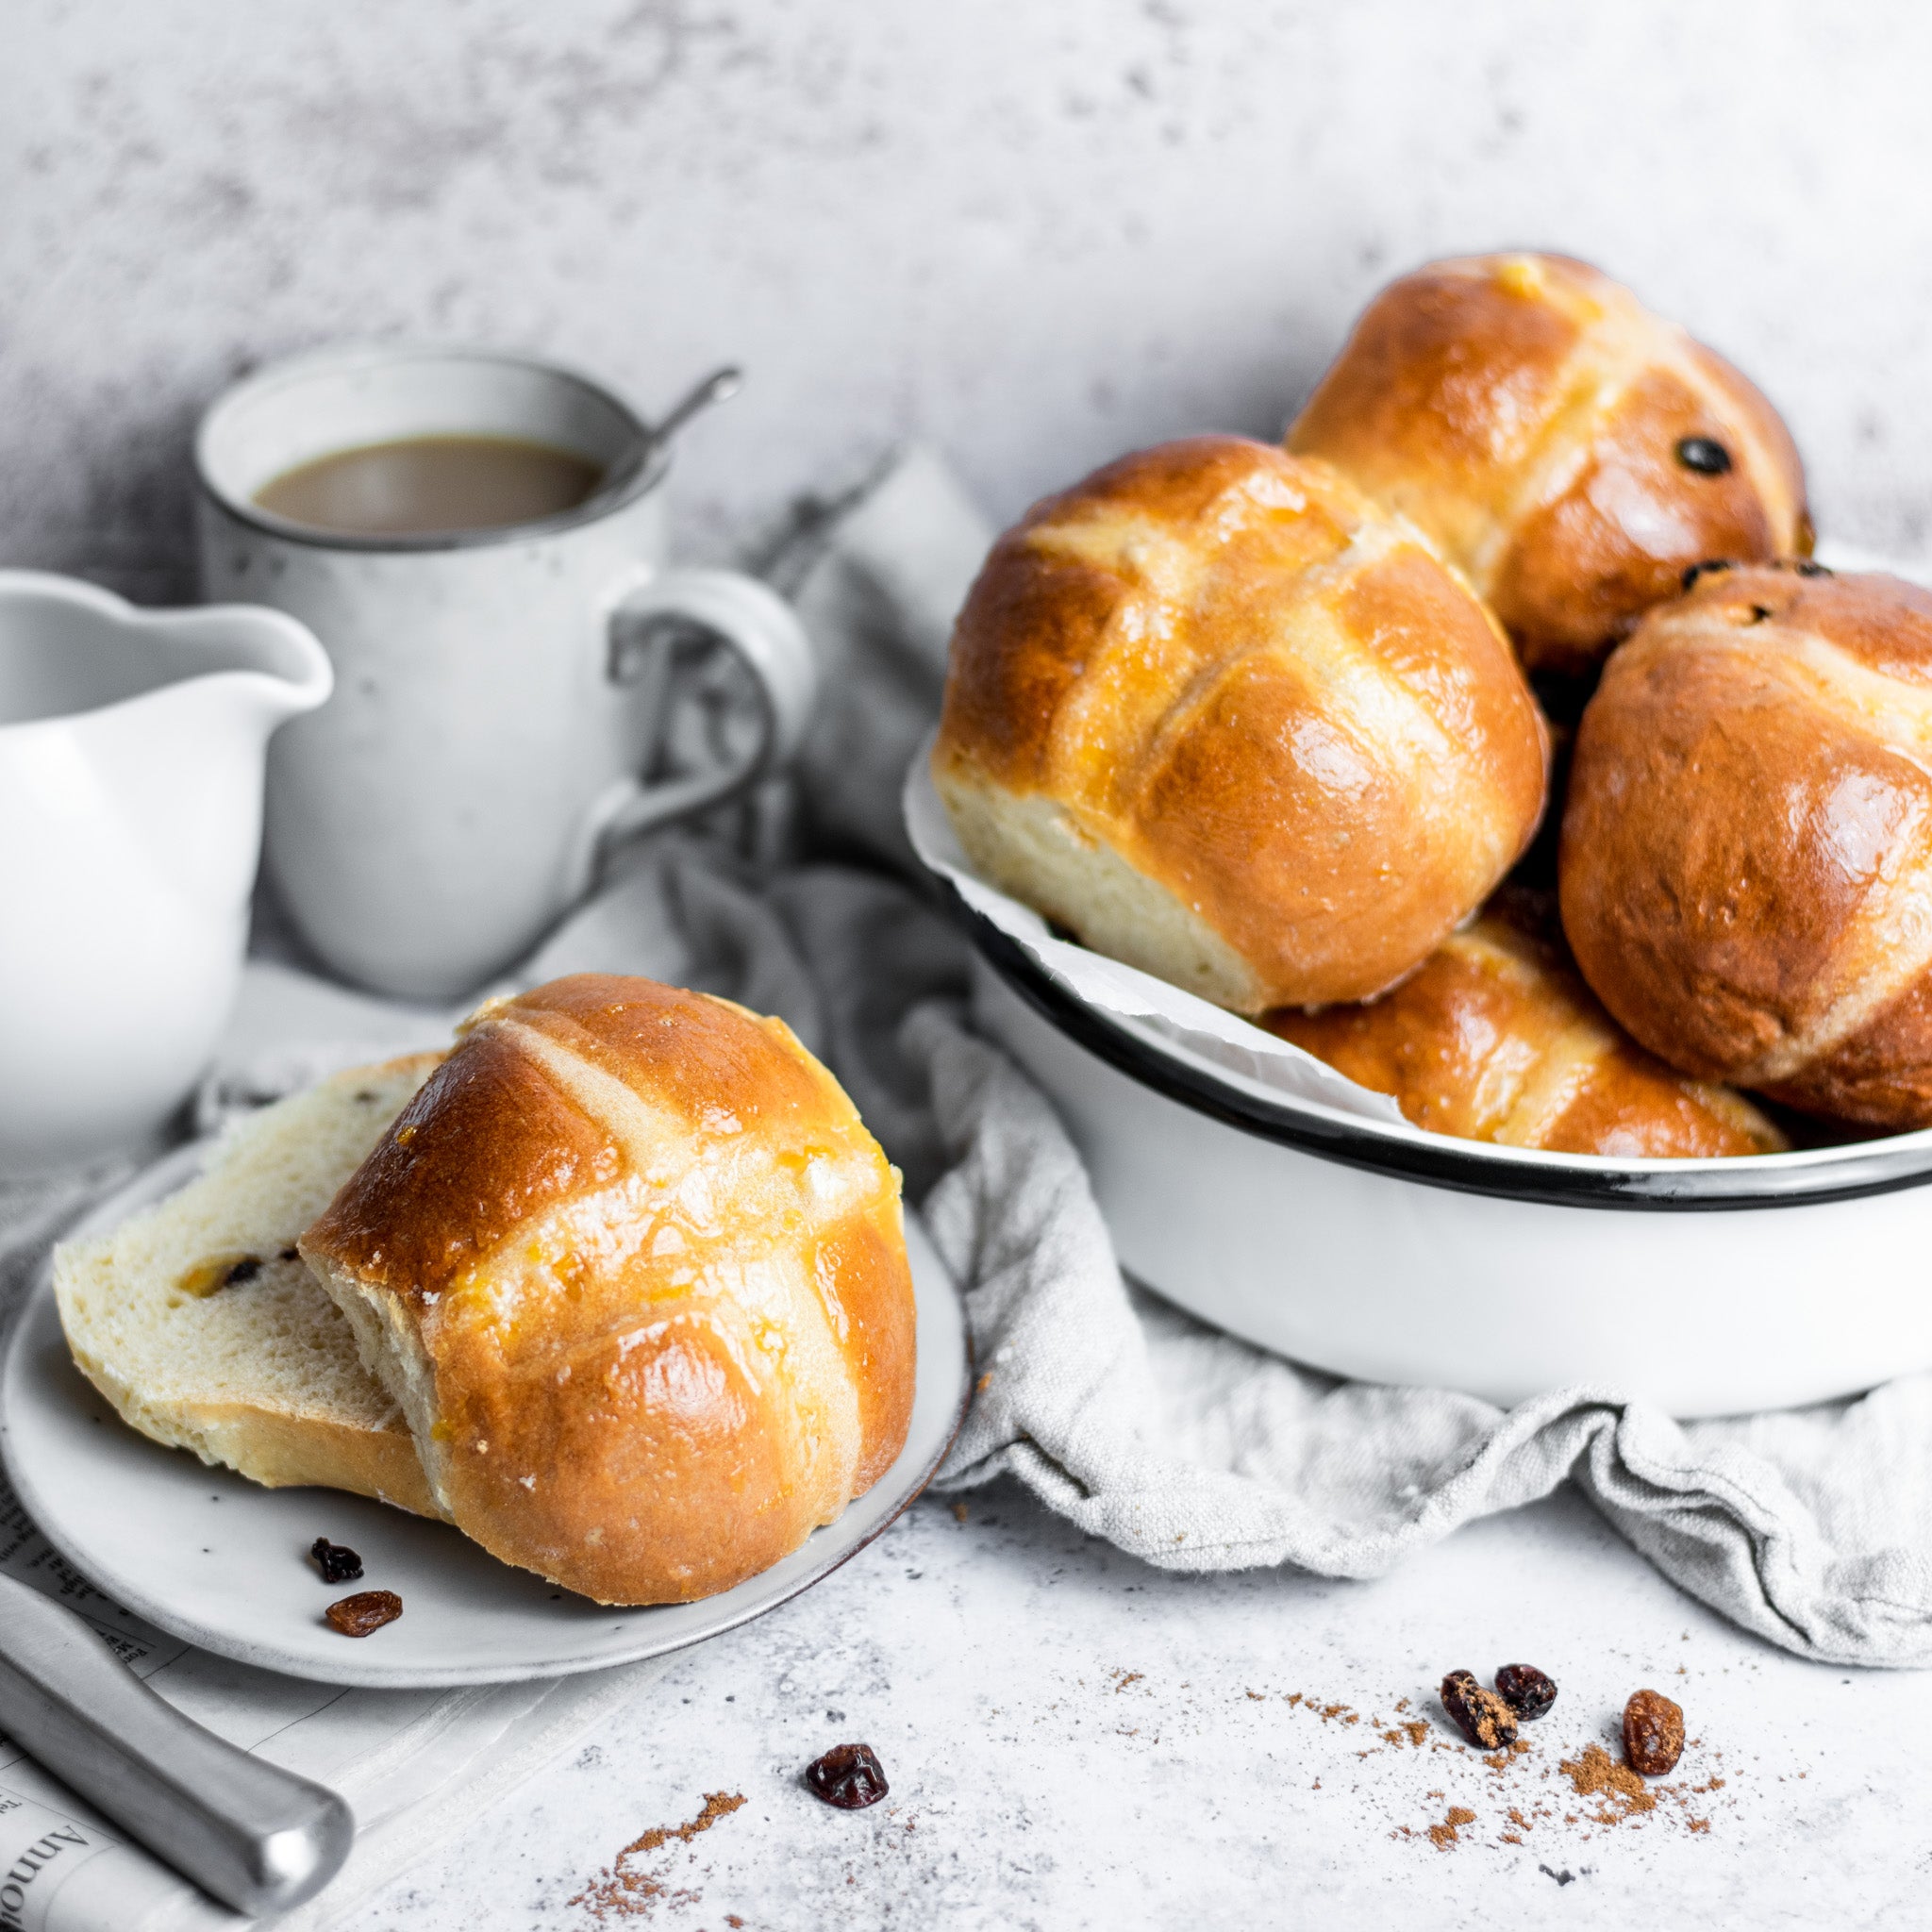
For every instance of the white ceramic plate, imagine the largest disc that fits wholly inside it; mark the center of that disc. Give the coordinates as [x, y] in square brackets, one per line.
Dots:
[222, 1563]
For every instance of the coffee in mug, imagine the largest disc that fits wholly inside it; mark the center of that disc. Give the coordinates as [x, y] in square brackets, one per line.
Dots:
[432, 486]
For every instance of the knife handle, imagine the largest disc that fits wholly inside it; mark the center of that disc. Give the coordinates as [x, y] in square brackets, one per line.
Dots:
[258, 1838]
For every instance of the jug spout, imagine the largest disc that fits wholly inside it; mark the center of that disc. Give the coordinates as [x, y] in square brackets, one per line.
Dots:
[72, 651]
[269, 666]
[188, 758]
[150, 726]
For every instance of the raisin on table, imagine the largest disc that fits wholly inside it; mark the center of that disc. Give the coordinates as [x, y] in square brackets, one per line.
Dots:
[1525, 1690]
[848, 1775]
[1653, 1733]
[1480, 1715]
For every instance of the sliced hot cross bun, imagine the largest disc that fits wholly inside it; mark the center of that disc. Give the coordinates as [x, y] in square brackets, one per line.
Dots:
[1571, 453]
[1746, 851]
[634, 1272]
[1217, 713]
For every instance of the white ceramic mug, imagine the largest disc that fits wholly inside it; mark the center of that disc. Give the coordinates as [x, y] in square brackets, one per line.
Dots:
[131, 746]
[497, 691]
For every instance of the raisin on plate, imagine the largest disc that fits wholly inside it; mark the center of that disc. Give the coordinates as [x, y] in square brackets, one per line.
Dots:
[367, 1610]
[337, 1562]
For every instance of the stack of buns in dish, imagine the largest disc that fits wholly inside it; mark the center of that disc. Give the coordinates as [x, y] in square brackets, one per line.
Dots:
[619, 1287]
[1240, 717]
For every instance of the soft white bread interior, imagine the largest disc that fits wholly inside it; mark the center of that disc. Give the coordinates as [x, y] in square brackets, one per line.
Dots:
[200, 1323]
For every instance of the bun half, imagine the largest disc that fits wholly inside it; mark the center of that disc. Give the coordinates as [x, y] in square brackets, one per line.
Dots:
[634, 1272]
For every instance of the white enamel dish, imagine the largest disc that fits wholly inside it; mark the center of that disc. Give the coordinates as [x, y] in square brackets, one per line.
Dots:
[1374, 1250]
[222, 1563]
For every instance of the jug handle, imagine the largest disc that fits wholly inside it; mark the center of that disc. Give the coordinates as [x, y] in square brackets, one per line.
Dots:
[749, 619]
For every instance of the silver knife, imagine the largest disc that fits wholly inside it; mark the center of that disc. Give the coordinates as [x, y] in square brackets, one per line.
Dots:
[258, 1838]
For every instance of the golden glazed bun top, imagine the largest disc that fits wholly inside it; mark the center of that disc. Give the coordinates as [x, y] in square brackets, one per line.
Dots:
[1228, 721]
[1571, 452]
[1496, 1038]
[1746, 850]
[639, 1270]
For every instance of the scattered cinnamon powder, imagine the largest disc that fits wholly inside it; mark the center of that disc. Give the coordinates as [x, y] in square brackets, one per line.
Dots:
[717, 1805]
[1415, 1732]
[1328, 1713]
[618, 1892]
[1597, 1775]
[1442, 1836]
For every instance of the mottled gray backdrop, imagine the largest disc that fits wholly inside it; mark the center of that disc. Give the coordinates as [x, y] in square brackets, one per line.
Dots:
[1035, 231]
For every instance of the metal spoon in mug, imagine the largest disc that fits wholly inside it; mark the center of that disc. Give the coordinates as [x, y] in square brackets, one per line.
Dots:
[721, 385]
[257, 1837]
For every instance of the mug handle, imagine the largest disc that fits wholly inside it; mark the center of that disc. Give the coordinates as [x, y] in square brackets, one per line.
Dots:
[746, 617]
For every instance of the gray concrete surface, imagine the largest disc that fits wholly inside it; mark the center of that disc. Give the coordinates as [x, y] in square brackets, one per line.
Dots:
[1036, 234]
